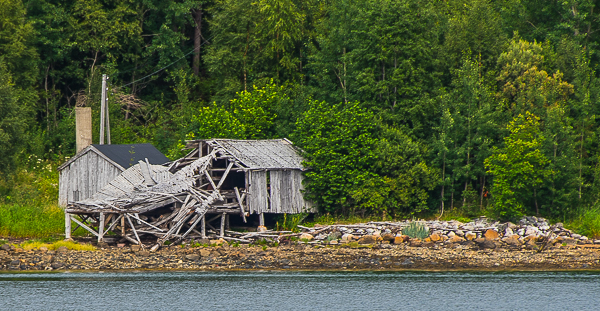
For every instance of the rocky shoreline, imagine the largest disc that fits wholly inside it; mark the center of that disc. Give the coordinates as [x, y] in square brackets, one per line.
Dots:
[304, 257]
[479, 245]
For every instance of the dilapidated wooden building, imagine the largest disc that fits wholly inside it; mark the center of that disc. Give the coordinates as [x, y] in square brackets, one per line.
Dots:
[95, 166]
[221, 177]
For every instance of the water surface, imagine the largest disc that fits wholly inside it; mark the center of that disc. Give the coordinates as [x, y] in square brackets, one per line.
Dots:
[301, 291]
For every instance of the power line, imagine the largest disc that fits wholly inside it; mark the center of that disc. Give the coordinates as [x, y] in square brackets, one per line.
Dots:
[167, 66]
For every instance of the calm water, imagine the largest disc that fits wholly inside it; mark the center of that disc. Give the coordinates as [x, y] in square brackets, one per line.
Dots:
[301, 291]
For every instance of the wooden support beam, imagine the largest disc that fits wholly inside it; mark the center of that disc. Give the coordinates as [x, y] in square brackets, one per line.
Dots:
[261, 219]
[84, 226]
[203, 227]
[237, 194]
[133, 229]
[222, 232]
[101, 227]
[67, 226]
[224, 175]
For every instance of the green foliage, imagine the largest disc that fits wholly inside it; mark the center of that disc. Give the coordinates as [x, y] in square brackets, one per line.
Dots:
[290, 222]
[339, 142]
[588, 223]
[416, 230]
[519, 167]
[31, 221]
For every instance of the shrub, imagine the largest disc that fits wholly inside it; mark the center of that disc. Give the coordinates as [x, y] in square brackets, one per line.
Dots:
[416, 230]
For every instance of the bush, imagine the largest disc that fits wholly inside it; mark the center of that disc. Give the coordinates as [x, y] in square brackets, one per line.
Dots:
[589, 223]
[416, 230]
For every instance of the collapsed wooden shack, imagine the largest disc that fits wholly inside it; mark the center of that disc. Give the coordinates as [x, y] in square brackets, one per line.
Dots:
[218, 178]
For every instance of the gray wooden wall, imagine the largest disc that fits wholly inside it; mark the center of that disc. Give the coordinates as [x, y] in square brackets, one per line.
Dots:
[84, 177]
[285, 195]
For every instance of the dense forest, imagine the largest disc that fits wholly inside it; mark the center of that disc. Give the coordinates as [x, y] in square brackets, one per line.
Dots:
[402, 107]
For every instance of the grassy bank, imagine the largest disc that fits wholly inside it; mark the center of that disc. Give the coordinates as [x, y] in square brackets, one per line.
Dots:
[28, 201]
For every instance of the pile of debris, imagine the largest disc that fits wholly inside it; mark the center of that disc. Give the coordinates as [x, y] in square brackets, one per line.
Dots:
[180, 200]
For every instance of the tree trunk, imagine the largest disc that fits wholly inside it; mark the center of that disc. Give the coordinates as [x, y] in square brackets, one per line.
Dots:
[197, 15]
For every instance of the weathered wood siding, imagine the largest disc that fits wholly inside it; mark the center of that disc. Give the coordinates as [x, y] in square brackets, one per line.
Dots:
[285, 195]
[258, 197]
[84, 177]
[286, 192]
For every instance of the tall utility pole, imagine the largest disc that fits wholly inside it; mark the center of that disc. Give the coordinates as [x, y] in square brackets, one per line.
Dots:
[104, 116]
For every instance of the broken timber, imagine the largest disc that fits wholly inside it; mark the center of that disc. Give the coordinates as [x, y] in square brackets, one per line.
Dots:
[218, 177]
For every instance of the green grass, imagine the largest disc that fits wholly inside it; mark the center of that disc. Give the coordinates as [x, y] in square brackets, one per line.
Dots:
[36, 244]
[328, 219]
[290, 222]
[31, 221]
[588, 223]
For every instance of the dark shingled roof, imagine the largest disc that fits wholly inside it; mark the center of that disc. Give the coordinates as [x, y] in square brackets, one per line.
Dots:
[128, 155]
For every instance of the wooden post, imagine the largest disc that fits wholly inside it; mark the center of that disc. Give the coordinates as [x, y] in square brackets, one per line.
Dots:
[101, 227]
[102, 109]
[222, 233]
[123, 226]
[227, 225]
[203, 231]
[261, 219]
[67, 226]
[105, 90]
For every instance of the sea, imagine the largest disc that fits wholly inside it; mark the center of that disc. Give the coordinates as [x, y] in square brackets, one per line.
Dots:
[302, 290]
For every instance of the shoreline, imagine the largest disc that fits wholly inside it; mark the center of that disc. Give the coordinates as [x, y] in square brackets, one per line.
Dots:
[302, 257]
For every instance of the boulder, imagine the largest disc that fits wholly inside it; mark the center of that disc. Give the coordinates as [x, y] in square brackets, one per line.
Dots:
[487, 244]
[192, 257]
[388, 237]
[264, 229]
[347, 237]
[5, 247]
[398, 240]
[456, 239]
[491, 234]
[367, 239]
[135, 248]
[306, 237]
[451, 234]
[204, 253]
[470, 236]
[435, 237]
[415, 242]
[62, 249]
[512, 240]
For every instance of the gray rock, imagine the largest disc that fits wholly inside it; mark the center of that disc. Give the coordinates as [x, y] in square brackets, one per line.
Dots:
[5, 247]
[367, 239]
[576, 236]
[407, 262]
[487, 244]
[192, 257]
[15, 263]
[57, 265]
[62, 249]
